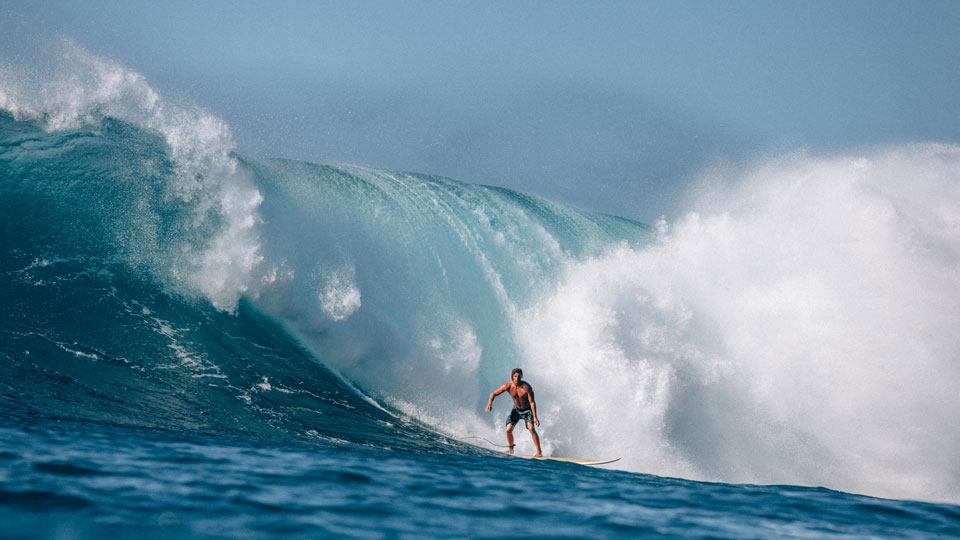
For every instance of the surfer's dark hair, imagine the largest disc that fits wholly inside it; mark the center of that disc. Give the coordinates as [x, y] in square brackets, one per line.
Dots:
[516, 370]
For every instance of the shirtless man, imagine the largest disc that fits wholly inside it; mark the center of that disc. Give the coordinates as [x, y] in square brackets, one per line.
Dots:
[523, 407]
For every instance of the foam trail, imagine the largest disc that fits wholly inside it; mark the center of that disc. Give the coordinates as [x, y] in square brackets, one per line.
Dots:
[804, 334]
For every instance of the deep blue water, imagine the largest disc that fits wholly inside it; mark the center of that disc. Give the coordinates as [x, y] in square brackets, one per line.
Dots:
[197, 343]
[83, 480]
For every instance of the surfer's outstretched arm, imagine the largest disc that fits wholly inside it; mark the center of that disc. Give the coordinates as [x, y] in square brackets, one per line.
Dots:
[494, 394]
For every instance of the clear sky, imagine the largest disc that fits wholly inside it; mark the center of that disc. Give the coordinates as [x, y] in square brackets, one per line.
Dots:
[610, 106]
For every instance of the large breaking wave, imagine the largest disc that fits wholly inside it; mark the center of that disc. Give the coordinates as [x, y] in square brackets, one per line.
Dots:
[797, 327]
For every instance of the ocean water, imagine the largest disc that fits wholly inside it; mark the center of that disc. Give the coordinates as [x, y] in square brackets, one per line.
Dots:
[199, 343]
[83, 480]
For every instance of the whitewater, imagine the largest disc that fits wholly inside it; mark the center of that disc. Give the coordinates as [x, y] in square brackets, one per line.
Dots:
[795, 328]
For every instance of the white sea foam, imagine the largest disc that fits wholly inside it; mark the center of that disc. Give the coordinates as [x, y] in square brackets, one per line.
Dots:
[800, 327]
[339, 296]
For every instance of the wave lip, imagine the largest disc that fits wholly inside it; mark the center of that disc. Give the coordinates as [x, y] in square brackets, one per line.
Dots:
[217, 254]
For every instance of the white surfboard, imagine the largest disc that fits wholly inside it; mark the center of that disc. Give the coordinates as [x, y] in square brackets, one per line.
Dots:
[567, 459]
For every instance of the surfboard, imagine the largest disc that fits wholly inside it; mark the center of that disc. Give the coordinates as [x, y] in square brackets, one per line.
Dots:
[567, 459]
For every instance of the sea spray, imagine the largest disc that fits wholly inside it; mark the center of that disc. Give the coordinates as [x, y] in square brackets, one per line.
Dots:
[798, 329]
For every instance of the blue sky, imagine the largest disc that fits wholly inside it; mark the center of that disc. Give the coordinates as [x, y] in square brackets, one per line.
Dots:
[611, 106]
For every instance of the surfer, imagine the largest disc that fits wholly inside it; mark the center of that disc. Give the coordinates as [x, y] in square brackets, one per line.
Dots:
[523, 407]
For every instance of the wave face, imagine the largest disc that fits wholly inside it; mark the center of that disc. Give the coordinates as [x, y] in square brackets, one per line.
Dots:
[797, 328]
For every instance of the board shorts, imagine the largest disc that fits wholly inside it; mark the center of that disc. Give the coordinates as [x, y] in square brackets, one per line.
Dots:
[517, 414]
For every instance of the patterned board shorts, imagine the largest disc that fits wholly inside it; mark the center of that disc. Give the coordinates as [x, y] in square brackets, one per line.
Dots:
[517, 414]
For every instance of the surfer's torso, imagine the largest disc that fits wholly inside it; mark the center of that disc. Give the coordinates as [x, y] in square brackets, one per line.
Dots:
[520, 394]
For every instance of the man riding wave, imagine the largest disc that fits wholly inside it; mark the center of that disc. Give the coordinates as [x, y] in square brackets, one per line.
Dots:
[523, 407]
